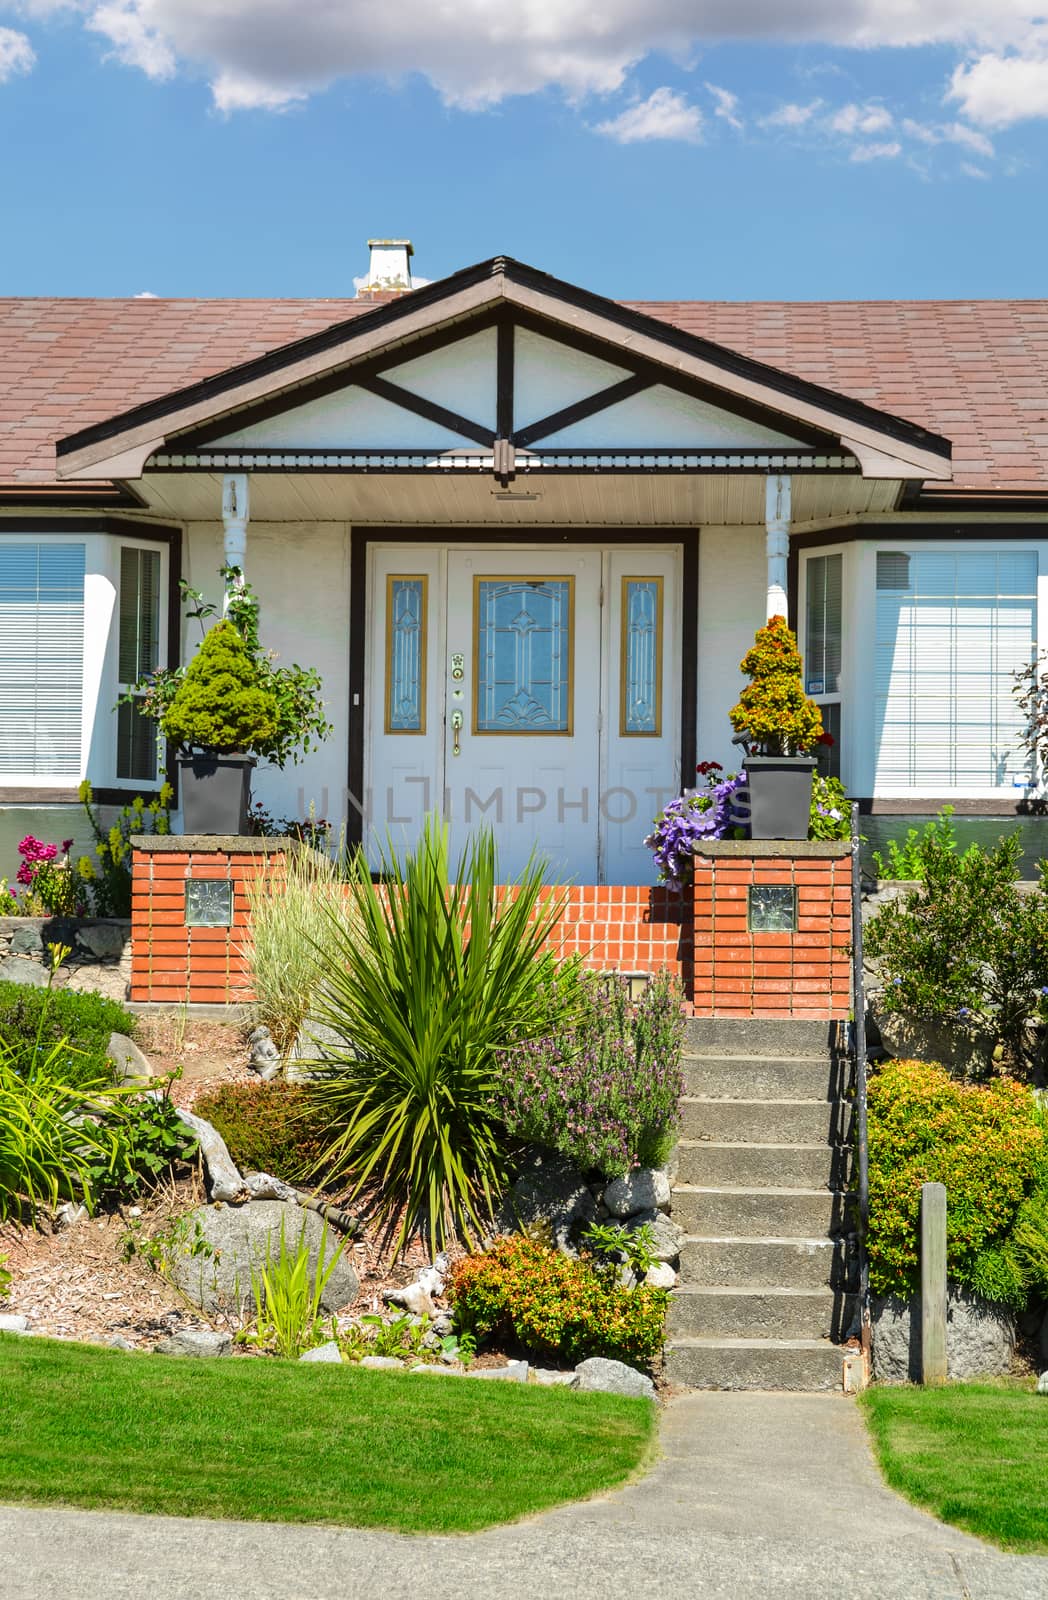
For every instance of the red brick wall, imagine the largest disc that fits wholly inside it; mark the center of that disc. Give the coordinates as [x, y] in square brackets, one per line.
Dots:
[742, 974]
[699, 935]
[171, 962]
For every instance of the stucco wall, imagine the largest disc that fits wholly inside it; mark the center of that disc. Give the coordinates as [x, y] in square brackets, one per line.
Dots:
[733, 583]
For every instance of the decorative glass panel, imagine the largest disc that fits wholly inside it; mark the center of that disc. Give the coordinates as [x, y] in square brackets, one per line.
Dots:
[209, 903]
[406, 654]
[772, 908]
[522, 631]
[641, 664]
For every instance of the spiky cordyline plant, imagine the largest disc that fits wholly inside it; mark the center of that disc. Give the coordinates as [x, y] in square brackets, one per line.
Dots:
[434, 977]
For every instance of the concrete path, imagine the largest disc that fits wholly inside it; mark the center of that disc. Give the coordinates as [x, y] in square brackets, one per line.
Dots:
[755, 1494]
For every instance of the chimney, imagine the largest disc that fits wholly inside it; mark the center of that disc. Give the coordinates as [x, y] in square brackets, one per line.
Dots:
[389, 271]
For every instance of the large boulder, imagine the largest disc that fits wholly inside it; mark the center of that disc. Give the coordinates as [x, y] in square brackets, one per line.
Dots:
[613, 1377]
[643, 1189]
[19, 969]
[551, 1190]
[224, 1243]
[197, 1342]
[132, 1065]
[965, 1049]
[980, 1338]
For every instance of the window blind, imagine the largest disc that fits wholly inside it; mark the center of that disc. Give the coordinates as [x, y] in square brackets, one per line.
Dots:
[822, 648]
[41, 658]
[951, 629]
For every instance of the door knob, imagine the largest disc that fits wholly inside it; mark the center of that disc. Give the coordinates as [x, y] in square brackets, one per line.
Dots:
[456, 728]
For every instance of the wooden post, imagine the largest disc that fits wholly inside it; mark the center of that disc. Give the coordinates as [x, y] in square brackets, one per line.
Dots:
[933, 1283]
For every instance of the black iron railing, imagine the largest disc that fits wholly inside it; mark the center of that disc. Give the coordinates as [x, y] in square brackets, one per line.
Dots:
[858, 1045]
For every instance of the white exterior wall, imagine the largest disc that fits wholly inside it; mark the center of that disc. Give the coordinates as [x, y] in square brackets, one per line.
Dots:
[300, 572]
[733, 587]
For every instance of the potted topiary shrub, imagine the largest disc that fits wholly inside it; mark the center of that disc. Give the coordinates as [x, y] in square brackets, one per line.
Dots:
[220, 714]
[230, 707]
[779, 727]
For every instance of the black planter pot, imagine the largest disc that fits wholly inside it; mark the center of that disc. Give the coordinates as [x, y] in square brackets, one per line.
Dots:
[780, 795]
[216, 793]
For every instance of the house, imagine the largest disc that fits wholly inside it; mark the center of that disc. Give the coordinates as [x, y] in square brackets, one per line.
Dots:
[526, 533]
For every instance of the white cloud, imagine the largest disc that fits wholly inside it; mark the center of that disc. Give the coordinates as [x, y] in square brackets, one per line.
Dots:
[663, 115]
[791, 115]
[877, 152]
[852, 119]
[270, 53]
[16, 54]
[727, 105]
[948, 133]
[970, 170]
[998, 90]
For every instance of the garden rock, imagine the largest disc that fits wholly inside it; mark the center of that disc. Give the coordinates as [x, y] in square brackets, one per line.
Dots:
[660, 1276]
[311, 1050]
[613, 1377]
[236, 1239]
[667, 1237]
[26, 942]
[195, 1342]
[132, 1064]
[13, 1322]
[1042, 1383]
[118, 1342]
[551, 1190]
[18, 969]
[264, 1058]
[263, 1186]
[553, 1378]
[980, 1338]
[414, 1298]
[515, 1372]
[102, 940]
[382, 1363]
[643, 1189]
[323, 1352]
[966, 1051]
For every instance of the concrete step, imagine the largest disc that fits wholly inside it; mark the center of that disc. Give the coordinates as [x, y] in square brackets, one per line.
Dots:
[743, 1312]
[765, 1077]
[752, 1036]
[766, 1121]
[758, 1213]
[763, 1166]
[774, 1261]
[754, 1364]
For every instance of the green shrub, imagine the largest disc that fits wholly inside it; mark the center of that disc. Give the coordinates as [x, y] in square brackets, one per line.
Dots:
[71, 1029]
[830, 816]
[967, 944]
[985, 1142]
[905, 858]
[428, 979]
[287, 1297]
[523, 1290]
[290, 932]
[5, 1279]
[150, 1141]
[222, 703]
[773, 711]
[54, 1144]
[268, 1127]
[606, 1091]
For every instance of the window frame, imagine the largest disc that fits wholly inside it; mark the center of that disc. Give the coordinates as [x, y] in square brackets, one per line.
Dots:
[841, 696]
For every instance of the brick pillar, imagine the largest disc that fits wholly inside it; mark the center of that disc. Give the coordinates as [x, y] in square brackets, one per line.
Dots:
[172, 960]
[741, 971]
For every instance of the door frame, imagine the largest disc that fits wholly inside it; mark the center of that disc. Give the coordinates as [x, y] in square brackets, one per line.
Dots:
[361, 540]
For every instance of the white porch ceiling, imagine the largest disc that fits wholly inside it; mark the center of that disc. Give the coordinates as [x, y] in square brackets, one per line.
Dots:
[457, 499]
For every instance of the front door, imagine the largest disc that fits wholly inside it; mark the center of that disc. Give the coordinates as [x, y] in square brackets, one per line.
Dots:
[532, 691]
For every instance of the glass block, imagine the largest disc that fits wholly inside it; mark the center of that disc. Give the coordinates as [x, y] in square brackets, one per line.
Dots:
[523, 642]
[406, 654]
[641, 659]
[209, 903]
[772, 908]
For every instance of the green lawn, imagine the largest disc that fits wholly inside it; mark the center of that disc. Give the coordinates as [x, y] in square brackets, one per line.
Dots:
[974, 1454]
[270, 1440]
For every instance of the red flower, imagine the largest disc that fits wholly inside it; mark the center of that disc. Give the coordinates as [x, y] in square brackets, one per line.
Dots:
[705, 767]
[826, 738]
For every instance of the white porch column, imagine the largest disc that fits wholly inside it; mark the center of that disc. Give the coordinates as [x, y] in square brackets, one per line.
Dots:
[236, 507]
[777, 523]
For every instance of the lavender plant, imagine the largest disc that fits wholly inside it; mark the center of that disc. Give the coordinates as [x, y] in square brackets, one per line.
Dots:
[717, 810]
[607, 1092]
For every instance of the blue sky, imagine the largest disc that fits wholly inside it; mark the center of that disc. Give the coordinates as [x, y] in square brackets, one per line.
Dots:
[675, 148]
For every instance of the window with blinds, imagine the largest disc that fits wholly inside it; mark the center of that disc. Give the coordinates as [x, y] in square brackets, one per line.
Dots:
[951, 629]
[823, 630]
[138, 652]
[41, 658]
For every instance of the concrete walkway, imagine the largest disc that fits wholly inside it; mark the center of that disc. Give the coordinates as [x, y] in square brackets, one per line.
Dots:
[755, 1494]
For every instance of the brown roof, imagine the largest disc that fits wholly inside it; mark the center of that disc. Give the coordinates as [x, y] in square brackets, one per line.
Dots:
[974, 371]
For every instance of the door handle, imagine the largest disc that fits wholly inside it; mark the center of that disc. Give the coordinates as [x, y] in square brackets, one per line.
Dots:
[456, 728]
